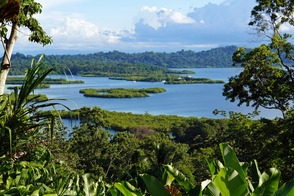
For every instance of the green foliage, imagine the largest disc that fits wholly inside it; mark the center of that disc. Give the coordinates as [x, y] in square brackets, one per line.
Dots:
[124, 156]
[20, 120]
[126, 64]
[43, 177]
[266, 81]
[268, 76]
[23, 15]
[190, 80]
[154, 186]
[271, 12]
[121, 121]
[253, 139]
[168, 78]
[173, 174]
[127, 189]
[45, 82]
[232, 178]
[143, 156]
[28, 9]
[261, 83]
[41, 86]
[94, 141]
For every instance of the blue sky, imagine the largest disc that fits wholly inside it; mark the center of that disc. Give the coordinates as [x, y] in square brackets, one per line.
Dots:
[83, 26]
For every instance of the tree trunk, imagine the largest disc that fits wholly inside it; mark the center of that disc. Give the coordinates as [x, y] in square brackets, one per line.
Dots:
[6, 63]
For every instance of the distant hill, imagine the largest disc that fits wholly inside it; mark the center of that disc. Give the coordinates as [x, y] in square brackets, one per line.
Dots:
[85, 63]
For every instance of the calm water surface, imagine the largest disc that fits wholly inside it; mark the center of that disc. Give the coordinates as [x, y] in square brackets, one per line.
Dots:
[197, 100]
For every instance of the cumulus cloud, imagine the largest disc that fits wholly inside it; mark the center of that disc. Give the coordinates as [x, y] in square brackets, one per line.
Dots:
[160, 17]
[157, 29]
[79, 32]
[224, 24]
[75, 28]
[73, 33]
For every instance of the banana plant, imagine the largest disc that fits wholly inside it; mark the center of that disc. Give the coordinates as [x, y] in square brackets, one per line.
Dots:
[228, 178]
[232, 178]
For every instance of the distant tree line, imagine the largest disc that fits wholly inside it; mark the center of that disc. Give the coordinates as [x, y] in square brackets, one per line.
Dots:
[104, 63]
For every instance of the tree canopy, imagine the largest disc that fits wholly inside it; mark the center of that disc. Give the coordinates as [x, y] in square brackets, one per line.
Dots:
[268, 76]
[16, 14]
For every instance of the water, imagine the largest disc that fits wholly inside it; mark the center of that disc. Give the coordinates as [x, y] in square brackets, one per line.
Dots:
[71, 123]
[198, 100]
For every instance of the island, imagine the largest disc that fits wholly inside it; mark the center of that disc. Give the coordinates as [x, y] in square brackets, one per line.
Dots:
[121, 92]
[20, 79]
[41, 86]
[168, 79]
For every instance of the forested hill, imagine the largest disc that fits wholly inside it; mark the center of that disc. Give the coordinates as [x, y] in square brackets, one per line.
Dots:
[81, 63]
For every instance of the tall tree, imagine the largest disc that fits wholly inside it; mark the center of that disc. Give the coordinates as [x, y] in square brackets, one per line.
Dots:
[13, 15]
[268, 76]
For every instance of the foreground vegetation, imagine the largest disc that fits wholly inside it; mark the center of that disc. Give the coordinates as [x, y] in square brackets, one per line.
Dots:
[253, 139]
[121, 92]
[39, 157]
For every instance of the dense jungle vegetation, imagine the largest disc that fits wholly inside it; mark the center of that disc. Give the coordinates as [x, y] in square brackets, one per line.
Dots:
[40, 156]
[252, 139]
[112, 63]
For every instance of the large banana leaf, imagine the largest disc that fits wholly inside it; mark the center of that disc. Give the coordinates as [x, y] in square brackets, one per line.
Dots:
[178, 176]
[229, 182]
[127, 189]
[268, 183]
[90, 188]
[231, 161]
[154, 186]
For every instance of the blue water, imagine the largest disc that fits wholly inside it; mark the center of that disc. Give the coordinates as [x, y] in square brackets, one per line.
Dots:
[197, 100]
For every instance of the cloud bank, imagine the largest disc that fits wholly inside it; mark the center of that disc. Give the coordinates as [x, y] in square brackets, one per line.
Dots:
[157, 29]
[213, 24]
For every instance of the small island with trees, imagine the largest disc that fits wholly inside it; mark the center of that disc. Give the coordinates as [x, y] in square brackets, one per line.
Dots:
[168, 79]
[20, 79]
[121, 92]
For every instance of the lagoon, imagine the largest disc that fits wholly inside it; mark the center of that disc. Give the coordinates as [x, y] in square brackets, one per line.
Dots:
[198, 100]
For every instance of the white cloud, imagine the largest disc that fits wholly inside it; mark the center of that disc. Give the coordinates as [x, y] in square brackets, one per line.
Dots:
[155, 28]
[77, 33]
[287, 28]
[76, 28]
[81, 30]
[160, 17]
[213, 24]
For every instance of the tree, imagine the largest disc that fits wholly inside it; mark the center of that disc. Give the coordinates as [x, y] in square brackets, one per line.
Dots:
[268, 76]
[13, 15]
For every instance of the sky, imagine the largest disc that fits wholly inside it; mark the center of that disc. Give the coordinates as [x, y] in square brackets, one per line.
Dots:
[86, 26]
